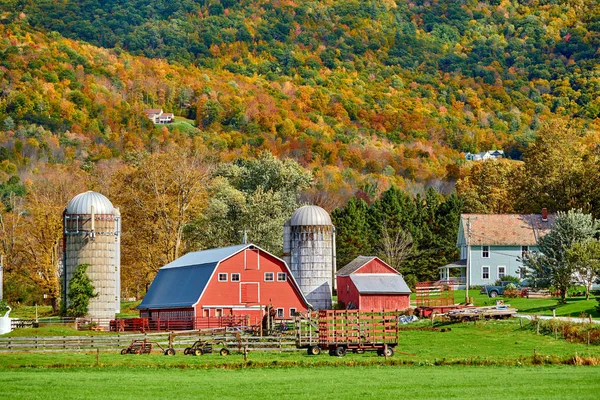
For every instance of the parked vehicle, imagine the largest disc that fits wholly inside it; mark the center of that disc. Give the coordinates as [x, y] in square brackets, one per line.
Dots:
[204, 347]
[497, 290]
[145, 347]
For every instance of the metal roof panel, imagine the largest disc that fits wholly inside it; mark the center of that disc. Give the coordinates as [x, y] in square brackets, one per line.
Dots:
[380, 283]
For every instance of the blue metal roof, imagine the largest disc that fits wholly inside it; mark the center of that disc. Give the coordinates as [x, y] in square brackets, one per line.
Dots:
[178, 287]
[181, 282]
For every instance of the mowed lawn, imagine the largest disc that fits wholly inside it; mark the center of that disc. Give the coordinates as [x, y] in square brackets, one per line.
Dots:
[377, 382]
[491, 342]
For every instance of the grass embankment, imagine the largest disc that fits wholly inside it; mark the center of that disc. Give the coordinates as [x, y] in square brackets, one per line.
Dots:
[483, 343]
[319, 382]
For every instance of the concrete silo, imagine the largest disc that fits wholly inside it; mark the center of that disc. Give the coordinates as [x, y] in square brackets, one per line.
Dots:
[309, 250]
[92, 235]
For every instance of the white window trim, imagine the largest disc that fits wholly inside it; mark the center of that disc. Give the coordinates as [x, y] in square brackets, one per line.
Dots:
[482, 251]
[488, 267]
[265, 277]
[239, 277]
[284, 277]
[293, 311]
[501, 266]
[219, 276]
[218, 312]
[282, 313]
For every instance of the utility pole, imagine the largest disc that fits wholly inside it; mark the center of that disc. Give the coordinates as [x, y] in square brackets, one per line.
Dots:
[468, 272]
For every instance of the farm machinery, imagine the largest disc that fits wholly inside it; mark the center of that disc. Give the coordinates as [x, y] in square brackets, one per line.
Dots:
[144, 346]
[201, 347]
[340, 331]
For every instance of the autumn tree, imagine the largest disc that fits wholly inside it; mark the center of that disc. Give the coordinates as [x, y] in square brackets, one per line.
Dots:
[585, 259]
[490, 186]
[158, 197]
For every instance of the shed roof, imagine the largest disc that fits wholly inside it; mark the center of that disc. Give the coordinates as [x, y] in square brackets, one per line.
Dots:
[380, 283]
[506, 229]
[354, 265]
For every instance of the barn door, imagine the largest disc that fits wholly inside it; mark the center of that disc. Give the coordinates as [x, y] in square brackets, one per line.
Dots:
[252, 260]
[249, 292]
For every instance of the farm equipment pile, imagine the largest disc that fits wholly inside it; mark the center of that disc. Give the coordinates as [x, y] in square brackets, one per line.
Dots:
[340, 331]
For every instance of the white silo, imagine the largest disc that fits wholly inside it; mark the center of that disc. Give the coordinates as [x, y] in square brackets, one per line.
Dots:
[92, 235]
[309, 250]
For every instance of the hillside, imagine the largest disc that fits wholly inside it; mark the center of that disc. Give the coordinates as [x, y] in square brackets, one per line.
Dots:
[364, 93]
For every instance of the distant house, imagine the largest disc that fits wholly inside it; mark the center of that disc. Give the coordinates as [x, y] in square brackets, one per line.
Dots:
[491, 245]
[485, 155]
[238, 280]
[157, 116]
[368, 283]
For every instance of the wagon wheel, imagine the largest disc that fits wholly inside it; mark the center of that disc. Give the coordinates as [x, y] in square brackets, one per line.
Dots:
[170, 352]
[123, 351]
[339, 351]
[197, 352]
[314, 350]
[186, 351]
[224, 352]
[389, 352]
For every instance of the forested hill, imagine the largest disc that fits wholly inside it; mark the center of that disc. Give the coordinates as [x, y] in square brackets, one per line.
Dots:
[366, 93]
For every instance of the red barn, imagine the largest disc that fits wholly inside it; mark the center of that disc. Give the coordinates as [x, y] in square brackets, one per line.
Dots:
[231, 281]
[367, 283]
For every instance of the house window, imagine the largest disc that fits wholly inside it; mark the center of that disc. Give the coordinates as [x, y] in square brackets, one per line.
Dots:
[485, 272]
[280, 313]
[222, 277]
[485, 251]
[524, 251]
[235, 277]
[219, 312]
[292, 312]
[269, 277]
[206, 313]
[281, 277]
[501, 272]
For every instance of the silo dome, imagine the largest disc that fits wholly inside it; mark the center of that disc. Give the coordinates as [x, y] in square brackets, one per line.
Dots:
[310, 216]
[83, 202]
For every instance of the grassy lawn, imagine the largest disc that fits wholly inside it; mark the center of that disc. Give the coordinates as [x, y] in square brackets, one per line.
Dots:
[555, 382]
[492, 342]
[575, 307]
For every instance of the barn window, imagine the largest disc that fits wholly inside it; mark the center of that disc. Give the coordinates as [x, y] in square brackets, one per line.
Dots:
[219, 312]
[206, 313]
[281, 277]
[292, 312]
[280, 313]
[347, 288]
[235, 277]
[222, 277]
[269, 277]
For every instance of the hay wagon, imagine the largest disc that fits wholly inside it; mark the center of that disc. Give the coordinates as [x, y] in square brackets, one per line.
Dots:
[340, 331]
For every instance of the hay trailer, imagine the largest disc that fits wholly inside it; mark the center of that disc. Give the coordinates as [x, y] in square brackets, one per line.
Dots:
[340, 331]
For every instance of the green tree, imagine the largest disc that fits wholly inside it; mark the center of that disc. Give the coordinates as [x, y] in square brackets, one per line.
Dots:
[352, 231]
[81, 291]
[552, 262]
[585, 259]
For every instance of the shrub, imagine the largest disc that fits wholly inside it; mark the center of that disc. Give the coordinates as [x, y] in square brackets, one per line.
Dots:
[81, 291]
[511, 290]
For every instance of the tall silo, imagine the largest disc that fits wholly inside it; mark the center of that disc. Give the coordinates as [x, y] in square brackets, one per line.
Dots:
[92, 230]
[309, 250]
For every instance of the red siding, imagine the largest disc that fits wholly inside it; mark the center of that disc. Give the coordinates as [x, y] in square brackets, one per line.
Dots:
[384, 302]
[348, 293]
[252, 266]
[375, 266]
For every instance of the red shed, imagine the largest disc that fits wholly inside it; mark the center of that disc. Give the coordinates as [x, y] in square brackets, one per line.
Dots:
[368, 283]
[231, 281]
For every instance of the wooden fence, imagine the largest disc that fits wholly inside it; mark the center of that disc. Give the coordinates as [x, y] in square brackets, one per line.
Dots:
[117, 342]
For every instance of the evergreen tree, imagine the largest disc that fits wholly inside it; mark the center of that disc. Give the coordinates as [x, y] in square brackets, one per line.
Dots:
[352, 231]
[81, 291]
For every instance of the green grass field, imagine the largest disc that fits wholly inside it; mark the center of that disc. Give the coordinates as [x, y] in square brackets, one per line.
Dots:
[556, 382]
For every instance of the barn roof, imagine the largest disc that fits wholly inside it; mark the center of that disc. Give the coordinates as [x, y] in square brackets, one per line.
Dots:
[354, 265]
[380, 283]
[181, 282]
